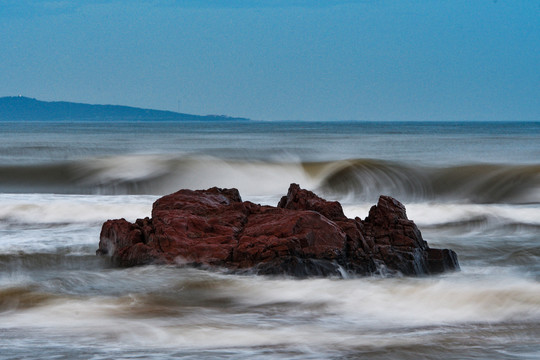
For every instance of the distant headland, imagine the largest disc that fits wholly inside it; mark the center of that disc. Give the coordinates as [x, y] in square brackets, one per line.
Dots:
[21, 108]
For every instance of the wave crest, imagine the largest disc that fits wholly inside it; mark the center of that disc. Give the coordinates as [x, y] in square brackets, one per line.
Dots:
[477, 183]
[357, 179]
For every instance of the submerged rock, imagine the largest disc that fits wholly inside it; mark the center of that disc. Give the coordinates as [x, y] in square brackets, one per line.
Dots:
[304, 235]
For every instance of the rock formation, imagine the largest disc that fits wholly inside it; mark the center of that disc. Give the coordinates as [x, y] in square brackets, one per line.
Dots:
[304, 235]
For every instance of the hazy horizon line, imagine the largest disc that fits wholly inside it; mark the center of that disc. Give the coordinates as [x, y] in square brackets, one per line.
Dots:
[267, 120]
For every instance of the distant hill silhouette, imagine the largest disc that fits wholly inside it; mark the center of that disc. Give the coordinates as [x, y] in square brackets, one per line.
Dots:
[13, 108]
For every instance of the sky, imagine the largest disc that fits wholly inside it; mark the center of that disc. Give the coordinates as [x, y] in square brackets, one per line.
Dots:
[371, 60]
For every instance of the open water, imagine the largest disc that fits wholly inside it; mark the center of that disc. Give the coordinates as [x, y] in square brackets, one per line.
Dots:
[471, 187]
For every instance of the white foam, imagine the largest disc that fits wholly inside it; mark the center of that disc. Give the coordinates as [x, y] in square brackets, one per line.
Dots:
[47, 222]
[266, 312]
[252, 179]
[169, 173]
[431, 213]
[53, 208]
[453, 299]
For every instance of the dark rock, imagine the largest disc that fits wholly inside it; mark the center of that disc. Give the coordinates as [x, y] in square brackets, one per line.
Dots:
[304, 235]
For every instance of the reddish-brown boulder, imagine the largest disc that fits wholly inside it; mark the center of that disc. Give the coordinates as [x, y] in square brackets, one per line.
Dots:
[304, 235]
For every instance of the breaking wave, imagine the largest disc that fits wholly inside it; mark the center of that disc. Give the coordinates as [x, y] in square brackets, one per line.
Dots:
[358, 179]
[478, 183]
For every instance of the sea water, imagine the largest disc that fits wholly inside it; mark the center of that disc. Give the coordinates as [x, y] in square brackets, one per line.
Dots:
[471, 187]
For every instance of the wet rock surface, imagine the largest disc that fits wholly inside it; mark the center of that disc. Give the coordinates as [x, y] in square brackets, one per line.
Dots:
[304, 235]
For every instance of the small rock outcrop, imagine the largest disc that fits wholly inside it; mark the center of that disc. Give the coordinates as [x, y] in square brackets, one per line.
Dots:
[304, 235]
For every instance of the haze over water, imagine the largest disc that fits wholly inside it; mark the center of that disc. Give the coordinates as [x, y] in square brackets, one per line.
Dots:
[471, 187]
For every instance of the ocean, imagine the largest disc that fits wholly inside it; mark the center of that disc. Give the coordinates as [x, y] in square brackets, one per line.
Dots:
[473, 187]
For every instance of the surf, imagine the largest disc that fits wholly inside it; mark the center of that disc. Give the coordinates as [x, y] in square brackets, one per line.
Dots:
[356, 179]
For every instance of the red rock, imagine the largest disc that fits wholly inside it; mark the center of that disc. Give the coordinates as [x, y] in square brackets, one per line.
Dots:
[299, 199]
[304, 235]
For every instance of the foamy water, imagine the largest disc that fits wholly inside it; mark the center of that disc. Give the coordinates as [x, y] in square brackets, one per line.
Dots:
[59, 300]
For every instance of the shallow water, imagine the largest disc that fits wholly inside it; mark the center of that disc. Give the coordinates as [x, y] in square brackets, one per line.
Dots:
[476, 191]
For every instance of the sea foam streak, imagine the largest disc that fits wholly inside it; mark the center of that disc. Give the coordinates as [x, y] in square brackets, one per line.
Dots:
[190, 309]
[70, 209]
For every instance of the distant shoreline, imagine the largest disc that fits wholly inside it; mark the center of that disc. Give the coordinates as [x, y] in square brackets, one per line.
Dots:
[21, 108]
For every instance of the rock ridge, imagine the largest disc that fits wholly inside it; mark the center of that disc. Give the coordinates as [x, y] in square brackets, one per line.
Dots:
[303, 236]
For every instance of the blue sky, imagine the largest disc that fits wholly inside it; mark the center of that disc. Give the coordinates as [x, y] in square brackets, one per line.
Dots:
[280, 60]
